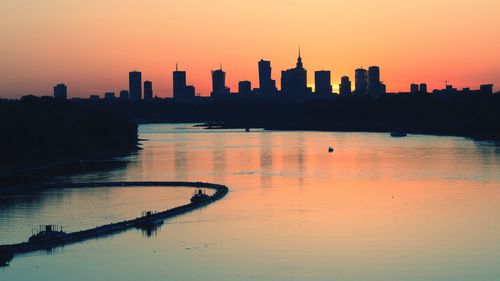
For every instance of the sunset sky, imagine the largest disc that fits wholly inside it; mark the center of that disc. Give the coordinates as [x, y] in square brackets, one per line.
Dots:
[91, 45]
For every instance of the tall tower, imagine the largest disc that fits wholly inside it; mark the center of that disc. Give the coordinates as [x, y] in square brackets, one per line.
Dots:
[374, 88]
[179, 81]
[361, 81]
[345, 86]
[322, 82]
[148, 90]
[219, 83]
[135, 85]
[294, 81]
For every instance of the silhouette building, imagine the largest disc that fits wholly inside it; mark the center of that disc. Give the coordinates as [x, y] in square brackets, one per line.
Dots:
[182, 91]
[135, 85]
[219, 88]
[414, 88]
[375, 86]
[361, 82]
[345, 86]
[244, 88]
[60, 91]
[294, 81]
[148, 90]
[109, 95]
[323, 82]
[486, 89]
[267, 86]
[124, 95]
[423, 88]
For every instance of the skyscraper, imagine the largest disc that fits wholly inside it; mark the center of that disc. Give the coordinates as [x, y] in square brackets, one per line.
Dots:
[60, 91]
[181, 90]
[148, 90]
[219, 88]
[322, 82]
[267, 86]
[374, 84]
[135, 85]
[294, 81]
[361, 82]
[345, 86]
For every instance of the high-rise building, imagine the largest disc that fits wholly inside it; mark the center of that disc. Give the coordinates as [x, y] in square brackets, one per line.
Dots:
[361, 82]
[294, 81]
[124, 95]
[135, 85]
[219, 88]
[345, 86]
[267, 86]
[148, 90]
[181, 90]
[323, 82]
[423, 88]
[60, 91]
[374, 83]
[244, 88]
[414, 88]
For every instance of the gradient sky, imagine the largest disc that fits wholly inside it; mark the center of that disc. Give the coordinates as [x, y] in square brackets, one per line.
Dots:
[91, 45]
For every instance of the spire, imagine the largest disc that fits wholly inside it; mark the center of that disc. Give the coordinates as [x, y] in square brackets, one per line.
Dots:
[299, 60]
[176, 67]
[221, 66]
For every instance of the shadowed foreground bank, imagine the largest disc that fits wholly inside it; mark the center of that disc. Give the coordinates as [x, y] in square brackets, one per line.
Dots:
[43, 134]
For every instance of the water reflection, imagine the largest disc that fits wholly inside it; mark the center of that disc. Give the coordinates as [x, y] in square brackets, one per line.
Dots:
[417, 208]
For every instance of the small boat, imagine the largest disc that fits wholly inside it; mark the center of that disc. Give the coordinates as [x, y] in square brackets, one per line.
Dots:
[398, 134]
[199, 196]
[330, 149]
[46, 233]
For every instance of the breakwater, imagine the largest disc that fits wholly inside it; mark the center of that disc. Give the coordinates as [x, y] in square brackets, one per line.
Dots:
[8, 251]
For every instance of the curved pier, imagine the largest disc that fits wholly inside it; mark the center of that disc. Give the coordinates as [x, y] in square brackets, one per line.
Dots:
[7, 251]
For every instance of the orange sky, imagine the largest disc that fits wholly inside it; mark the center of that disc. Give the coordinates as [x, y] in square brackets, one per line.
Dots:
[91, 45]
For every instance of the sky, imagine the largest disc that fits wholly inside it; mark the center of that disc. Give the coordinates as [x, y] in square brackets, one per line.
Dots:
[91, 45]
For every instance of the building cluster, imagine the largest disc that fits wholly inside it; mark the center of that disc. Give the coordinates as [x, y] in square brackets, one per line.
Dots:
[294, 85]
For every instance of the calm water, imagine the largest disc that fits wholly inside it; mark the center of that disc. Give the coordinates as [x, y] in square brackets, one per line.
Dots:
[378, 208]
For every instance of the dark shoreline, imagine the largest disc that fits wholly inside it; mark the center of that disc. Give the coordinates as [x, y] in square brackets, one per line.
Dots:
[45, 137]
[221, 126]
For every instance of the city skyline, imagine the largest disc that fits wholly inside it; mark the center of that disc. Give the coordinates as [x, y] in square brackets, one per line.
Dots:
[431, 42]
[294, 85]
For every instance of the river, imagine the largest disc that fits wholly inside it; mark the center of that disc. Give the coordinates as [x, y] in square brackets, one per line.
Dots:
[377, 208]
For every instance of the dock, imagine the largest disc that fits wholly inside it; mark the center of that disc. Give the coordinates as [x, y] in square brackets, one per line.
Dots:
[113, 228]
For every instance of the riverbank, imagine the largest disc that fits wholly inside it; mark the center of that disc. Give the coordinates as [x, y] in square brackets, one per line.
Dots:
[44, 137]
[469, 115]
